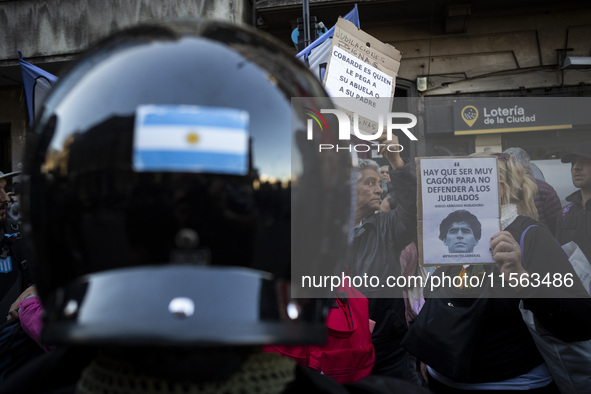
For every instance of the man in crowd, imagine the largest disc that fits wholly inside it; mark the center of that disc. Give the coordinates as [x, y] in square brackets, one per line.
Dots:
[460, 231]
[385, 181]
[574, 224]
[378, 239]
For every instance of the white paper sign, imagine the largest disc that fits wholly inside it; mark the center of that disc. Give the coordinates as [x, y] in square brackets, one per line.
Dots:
[348, 76]
[460, 209]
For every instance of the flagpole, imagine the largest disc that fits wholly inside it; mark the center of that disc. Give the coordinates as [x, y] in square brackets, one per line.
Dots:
[306, 17]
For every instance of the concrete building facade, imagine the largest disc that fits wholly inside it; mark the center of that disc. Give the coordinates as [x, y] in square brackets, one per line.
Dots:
[52, 33]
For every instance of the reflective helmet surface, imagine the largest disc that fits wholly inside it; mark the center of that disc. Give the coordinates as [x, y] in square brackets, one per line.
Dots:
[170, 186]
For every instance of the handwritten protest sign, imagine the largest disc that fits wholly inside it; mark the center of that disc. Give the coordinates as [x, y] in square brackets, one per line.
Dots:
[349, 77]
[458, 209]
[363, 68]
[366, 48]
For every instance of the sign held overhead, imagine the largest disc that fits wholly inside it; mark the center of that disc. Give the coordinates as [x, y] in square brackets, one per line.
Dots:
[363, 68]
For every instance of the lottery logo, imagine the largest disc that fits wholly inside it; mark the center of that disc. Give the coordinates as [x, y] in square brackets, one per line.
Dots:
[469, 114]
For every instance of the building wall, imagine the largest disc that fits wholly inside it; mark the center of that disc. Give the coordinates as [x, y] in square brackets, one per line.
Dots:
[65, 27]
[501, 52]
[495, 53]
[13, 117]
[464, 49]
[488, 48]
[52, 32]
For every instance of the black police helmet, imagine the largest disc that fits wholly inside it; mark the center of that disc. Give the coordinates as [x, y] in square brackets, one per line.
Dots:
[171, 185]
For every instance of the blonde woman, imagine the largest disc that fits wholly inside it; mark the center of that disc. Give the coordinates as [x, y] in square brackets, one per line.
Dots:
[499, 352]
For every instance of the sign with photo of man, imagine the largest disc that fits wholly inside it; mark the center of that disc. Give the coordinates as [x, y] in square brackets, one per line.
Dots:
[458, 209]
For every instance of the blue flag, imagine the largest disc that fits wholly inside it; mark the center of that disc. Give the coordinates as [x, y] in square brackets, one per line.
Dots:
[316, 55]
[37, 83]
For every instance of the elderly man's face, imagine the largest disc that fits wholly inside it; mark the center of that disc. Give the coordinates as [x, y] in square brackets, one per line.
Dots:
[460, 238]
[384, 175]
[369, 191]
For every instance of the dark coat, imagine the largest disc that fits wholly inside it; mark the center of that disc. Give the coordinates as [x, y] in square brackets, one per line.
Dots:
[574, 224]
[377, 244]
[548, 204]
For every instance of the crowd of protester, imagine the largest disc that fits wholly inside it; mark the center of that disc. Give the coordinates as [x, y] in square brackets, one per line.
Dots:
[422, 343]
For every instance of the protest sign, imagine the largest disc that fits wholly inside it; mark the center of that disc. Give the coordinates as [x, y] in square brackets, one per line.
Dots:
[458, 209]
[366, 48]
[363, 68]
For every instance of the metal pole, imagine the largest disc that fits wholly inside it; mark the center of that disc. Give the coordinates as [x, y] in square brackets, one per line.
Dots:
[306, 16]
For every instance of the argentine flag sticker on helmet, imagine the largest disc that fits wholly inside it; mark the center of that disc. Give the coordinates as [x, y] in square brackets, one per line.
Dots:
[190, 138]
